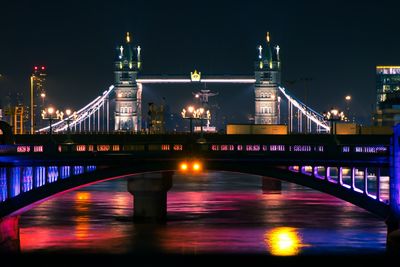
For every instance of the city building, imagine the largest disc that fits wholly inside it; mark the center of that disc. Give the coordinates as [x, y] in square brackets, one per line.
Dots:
[37, 97]
[15, 113]
[387, 111]
[127, 115]
[156, 120]
[268, 78]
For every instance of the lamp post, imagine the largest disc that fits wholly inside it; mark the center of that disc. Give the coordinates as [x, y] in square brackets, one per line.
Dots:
[43, 96]
[333, 116]
[51, 114]
[189, 114]
[348, 99]
[70, 116]
[192, 113]
[201, 112]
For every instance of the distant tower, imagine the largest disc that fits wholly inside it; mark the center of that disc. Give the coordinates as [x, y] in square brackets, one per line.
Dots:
[127, 106]
[37, 97]
[268, 78]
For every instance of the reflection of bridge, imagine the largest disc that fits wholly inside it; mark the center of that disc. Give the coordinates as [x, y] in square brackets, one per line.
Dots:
[126, 94]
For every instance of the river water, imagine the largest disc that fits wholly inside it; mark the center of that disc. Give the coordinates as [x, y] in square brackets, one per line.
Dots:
[215, 212]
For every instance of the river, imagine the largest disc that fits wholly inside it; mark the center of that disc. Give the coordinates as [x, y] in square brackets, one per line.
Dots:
[215, 212]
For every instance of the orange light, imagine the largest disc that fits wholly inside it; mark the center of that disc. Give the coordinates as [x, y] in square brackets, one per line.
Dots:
[184, 166]
[196, 166]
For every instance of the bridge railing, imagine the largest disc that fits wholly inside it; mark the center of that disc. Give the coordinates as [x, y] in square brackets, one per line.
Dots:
[227, 148]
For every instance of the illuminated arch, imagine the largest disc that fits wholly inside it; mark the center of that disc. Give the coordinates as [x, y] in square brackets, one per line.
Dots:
[27, 200]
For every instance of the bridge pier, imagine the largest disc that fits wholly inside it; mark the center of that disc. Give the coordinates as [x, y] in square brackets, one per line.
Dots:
[271, 184]
[9, 235]
[150, 196]
[393, 235]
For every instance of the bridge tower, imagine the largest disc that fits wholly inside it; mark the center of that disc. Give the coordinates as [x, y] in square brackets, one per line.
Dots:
[127, 96]
[268, 78]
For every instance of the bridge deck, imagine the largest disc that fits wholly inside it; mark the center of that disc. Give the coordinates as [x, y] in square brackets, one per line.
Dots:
[204, 79]
[312, 150]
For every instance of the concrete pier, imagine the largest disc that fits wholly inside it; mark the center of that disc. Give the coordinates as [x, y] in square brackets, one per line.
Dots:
[271, 184]
[9, 235]
[393, 235]
[150, 196]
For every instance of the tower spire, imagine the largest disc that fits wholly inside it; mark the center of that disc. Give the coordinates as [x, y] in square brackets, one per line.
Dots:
[269, 51]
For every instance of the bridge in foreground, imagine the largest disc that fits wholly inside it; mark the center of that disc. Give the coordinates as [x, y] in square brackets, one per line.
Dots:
[353, 168]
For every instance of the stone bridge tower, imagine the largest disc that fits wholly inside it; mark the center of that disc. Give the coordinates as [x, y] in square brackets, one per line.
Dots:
[268, 78]
[127, 101]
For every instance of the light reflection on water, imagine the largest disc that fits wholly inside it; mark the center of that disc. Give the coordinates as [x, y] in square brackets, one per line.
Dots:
[284, 241]
[211, 213]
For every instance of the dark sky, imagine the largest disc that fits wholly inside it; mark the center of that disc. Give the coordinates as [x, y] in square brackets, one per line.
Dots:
[335, 43]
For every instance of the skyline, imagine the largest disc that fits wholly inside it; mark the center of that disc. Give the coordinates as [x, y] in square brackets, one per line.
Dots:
[336, 46]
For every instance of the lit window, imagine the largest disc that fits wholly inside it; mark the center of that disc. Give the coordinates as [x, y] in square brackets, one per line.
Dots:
[266, 110]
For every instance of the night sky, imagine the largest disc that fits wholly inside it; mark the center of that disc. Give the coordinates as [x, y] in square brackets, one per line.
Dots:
[335, 45]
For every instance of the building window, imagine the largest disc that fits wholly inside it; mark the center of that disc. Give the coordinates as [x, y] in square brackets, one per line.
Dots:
[266, 110]
[265, 95]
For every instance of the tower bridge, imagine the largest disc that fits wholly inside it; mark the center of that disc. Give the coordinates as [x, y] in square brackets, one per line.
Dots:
[269, 95]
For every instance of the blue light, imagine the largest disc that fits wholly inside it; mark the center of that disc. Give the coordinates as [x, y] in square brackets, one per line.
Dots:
[65, 172]
[78, 170]
[15, 181]
[90, 168]
[40, 176]
[52, 174]
[3, 184]
[27, 179]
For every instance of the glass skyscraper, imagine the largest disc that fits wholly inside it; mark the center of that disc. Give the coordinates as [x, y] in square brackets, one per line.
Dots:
[387, 111]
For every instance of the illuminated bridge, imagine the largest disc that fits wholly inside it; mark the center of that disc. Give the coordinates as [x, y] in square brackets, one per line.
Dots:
[354, 168]
[119, 107]
[96, 116]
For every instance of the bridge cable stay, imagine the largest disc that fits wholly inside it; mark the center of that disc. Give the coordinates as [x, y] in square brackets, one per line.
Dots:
[85, 118]
[302, 109]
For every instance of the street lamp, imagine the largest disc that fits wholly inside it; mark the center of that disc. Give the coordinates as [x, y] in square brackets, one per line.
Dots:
[201, 112]
[51, 114]
[334, 115]
[189, 115]
[43, 96]
[70, 116]
[198, 114]
[348, 99]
